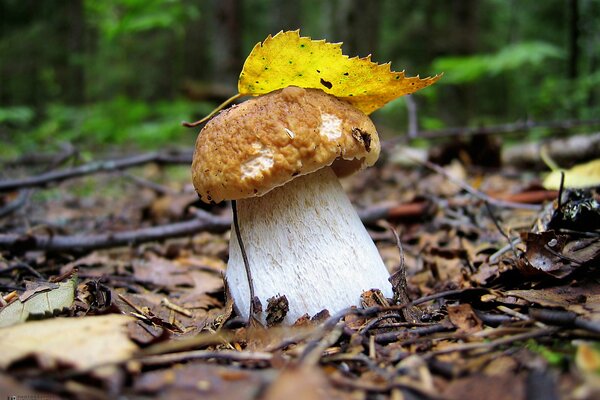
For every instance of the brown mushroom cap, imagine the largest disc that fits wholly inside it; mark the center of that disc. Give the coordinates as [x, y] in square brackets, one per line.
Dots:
[265, 142]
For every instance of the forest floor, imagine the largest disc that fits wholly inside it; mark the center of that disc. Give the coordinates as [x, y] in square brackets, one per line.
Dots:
[493, 299]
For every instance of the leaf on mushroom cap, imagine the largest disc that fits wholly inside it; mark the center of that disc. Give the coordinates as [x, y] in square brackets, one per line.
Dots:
[287, 59]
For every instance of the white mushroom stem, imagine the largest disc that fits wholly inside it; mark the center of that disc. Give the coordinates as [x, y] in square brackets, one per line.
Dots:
[304, 240]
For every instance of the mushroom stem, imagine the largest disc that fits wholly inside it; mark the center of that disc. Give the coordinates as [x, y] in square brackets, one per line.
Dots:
[304, 240]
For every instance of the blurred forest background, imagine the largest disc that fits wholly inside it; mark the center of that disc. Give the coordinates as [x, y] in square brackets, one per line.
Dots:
[127, 72]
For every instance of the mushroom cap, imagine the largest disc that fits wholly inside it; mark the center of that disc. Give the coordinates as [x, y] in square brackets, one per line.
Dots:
[265, 142]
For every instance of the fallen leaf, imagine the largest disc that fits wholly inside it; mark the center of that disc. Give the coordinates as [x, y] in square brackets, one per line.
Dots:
[39, 303]
[83, 343]
[195, 381]
[579, 176]
[587, 357]
[464, 319]
[558, 254]
[583, 300]
[287, 59]
[302, 383]
[479, 386]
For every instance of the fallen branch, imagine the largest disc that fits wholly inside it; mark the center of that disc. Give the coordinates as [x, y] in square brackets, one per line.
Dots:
[515, 127]
[181, 157]
[16, 204]
[81, 243]
[562, 151]
[471, 190]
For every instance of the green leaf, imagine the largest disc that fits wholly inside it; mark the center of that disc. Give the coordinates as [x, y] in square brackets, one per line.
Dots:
[513, 57]
[40, 304]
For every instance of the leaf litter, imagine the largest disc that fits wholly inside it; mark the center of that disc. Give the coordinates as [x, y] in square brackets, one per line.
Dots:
[484, 315]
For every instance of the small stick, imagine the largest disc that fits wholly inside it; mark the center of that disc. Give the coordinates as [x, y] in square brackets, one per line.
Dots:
[497, 224]
[468, 188]
[213, 112]
[17, 203]
[81, 243]
[238, 235]
[227, 355]
[95, 167]
[494, 343]
[171, 306]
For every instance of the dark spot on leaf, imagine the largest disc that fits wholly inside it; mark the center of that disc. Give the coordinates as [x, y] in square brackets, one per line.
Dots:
[302, 46]
[397, 76]
[345, 73]
[290, 61]
[318, 71]
[328, 85]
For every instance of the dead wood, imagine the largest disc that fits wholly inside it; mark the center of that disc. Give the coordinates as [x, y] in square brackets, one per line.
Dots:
[81, 243]
[181, 157]
[563, 151]
[515, 127]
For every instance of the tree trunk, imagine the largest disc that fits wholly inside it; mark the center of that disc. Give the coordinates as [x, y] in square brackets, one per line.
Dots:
[356, 23]
[573, 38]
[227, 41]
[74, 80]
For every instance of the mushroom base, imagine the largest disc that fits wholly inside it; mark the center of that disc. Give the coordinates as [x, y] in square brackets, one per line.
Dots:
[304, 240]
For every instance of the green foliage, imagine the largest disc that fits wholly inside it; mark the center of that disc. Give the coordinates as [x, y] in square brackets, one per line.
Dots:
[116, 18]
[16, 115]
[558, 355]
[121, 122]
[512, 58]
[114, 71]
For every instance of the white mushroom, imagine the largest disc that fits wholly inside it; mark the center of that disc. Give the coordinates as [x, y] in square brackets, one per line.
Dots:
[302, 237]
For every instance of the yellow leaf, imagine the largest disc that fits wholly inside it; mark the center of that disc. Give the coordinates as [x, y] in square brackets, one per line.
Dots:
[287, 59]
[582, 175]
[83, 342]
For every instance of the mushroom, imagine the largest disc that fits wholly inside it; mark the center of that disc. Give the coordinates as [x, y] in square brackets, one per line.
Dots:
[279, 156]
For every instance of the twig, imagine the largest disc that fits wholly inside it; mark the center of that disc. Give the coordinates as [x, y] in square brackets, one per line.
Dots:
[171, 306]
[23, 266]
[238, 235]
[564, 318]
[497, 224]
[471, 190]
[519, 315]
[213, 112]
[389, 337]
[519, 126]
[494, 343]
[99, 166]
[315, 348]
[399, 283]
[17, 203]
[81, 243]
[227, 355]
[158, 188]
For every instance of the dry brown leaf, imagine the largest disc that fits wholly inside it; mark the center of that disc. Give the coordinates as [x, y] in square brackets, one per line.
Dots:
[201, 381]
[479, 386]
[583, 300]
[302, 383]
[84, 343]
[463, 317]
